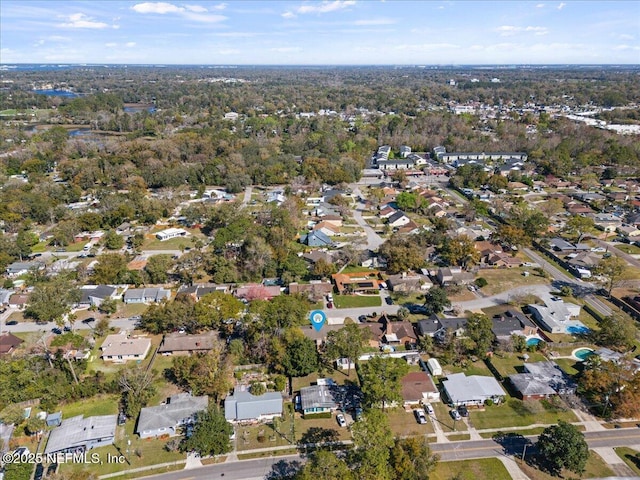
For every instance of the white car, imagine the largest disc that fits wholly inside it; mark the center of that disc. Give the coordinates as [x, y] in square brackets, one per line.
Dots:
[429, 409]
[599, 249]
[420, 416]
[341, 420]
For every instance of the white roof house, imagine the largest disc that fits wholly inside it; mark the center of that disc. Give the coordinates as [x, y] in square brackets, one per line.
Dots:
[166, 419]
[170, 233]
[79, 433]
[242, 406]
[555, 314]
[120, 348]
[472, 390]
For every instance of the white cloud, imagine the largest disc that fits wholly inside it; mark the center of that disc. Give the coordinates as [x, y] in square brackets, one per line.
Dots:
[195, 8]
[626, 36]
[376, 21]
[426, 46]
[286, 49]
[157, 7]
[540, 5]
[190, 12]
[130, 44]
[111, 45]
[325, 7]
[229, 51]
[288, 15]
[561, 5]
[220, 6]
[509, 30]
[80, 20]
[627, 47]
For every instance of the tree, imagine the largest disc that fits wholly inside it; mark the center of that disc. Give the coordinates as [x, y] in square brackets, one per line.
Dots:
[380, 379]
[563, 446]
[511, 235]
[612, 268]
[113, 241]
[325, 465]
[137, 389]
[157, 268]
[301, 355]
[210, 435]
[402, 254]
[108, 306]
[518, 342]
[373, 439]
[479, 330]
[616, 332]
[348, 342]
[218, 310]
[459, 250]
[435, 300]
[111, 269]
[208, 373]
[579, 226]
[411, 459]
[51, 301]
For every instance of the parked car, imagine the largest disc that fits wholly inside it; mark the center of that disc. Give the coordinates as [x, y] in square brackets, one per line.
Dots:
[362, 318]
[357, 413]
[341, 420]
[420, 416]
[429, 408]
[389, 300]
[329, 305]
[87, 321]
[455, 415]
[12, 322]
[56, 330]
[462, 410]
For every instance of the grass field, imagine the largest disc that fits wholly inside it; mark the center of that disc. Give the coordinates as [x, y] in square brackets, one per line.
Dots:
[509, 364]
[500, 280]
[595, 468]
[357, 301]
[516, 413]
[631, 458]
[100, 405]
[404, 423]
[488, 468]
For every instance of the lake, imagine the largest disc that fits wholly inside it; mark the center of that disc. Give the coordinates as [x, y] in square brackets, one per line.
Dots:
[57, 93]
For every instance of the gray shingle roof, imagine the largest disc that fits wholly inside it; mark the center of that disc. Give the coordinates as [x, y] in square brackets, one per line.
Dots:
[176, 412]
[78, 432]
[244, 406]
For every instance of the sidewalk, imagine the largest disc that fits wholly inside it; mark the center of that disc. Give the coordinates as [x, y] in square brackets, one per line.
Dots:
[513, 468]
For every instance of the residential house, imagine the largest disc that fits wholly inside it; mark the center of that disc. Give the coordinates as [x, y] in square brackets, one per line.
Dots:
[183, 344]
[561, 245]
[79, 434]
[146, 295]
[606, 221]
[329, 229]
[400, 333]
[367, 282]
[199, 290]
[628, 230]
[320, 398]
[583, 263]
[503, 260]
[398, 219]
[314, 290]
[314, 256]
[255, 291]
[409, 228]
[16, 269]
[373, 260]
[170, 233]
[19, 300]
[454, 276]
[409, 282]
[510, 323]
[555, 314]
[418, 387]
[242, 406]
[437, 327]
[472, 390]
[5, 295]
[386, 212]
[8, 343]
[166, 419]
[316, 239]
[94, 295]
[541, 380]
[121, 348]
[276, 196]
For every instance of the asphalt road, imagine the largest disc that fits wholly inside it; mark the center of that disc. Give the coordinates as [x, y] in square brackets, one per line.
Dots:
[373, 239]
[260, 468]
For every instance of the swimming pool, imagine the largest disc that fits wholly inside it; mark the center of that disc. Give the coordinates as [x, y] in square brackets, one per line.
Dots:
[578, 330]
[533, 341]
[583, 353]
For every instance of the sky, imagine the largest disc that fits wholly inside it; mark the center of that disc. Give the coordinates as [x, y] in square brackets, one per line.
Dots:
[332, 32]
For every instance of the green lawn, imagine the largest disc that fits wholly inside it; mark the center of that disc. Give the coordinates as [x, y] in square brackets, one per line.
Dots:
[630, 249]
[516, 413]
[500, 280]
[99, 405]
[171, 244]
[141, 453]
[404, 423]
[508, 363]
[489, 468]
[631, 458]
[444, 419]
[357, 301]
[595, 468]
[568, 365]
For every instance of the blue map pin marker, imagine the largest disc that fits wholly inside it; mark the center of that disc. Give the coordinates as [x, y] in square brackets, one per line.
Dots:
[317, 318]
